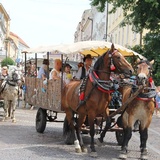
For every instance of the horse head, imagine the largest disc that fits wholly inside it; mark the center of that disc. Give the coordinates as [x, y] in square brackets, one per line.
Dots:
[113, 61]
[144, 71]
[14, 76]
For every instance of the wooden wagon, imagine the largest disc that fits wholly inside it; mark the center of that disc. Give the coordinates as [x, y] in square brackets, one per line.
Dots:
[48, 97]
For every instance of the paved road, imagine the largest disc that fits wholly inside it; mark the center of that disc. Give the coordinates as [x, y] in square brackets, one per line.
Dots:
[20, 141]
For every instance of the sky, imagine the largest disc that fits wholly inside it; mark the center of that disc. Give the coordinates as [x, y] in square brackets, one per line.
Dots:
[45, 22]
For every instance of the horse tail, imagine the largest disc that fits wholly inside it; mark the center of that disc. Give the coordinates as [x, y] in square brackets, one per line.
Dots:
[66, 127]
[68, 133]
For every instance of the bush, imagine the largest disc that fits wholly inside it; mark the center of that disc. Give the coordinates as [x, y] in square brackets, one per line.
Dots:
[7, 61]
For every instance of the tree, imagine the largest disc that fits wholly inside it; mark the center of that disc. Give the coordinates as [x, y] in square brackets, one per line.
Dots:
[140, 13]
[7, 61]
[151, 51]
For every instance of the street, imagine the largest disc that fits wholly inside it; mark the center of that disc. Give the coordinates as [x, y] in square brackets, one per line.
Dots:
[20, 141]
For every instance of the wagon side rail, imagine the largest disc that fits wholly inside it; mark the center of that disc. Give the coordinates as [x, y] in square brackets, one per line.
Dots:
[46, 96]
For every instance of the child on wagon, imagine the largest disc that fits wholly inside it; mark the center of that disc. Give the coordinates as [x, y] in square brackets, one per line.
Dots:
[67, 76]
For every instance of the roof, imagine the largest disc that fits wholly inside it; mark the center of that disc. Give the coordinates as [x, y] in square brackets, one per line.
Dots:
[20, 39]
[5, 12]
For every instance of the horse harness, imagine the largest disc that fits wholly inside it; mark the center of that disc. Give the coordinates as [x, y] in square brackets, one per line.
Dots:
[105, 86]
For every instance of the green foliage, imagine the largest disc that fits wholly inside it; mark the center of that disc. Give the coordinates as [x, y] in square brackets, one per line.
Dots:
[138, 49]
[152, 52]
[7, 61]
[142, 14]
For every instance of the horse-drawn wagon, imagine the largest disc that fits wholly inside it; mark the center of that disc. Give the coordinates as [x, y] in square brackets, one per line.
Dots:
[53, 98]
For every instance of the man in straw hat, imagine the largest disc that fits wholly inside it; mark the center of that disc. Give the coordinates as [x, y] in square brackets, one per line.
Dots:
[84, 70]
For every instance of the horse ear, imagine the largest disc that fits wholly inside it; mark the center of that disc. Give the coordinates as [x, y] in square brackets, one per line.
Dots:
[151, 62]
[138, 60]
[112, 48]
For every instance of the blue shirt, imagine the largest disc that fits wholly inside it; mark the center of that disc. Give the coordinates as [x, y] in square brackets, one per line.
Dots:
[158, 100]
[41, 72]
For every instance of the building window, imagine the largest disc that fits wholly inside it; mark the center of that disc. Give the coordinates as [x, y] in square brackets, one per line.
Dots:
[119, 34]
[134, 35]
[115, 38]
[122, 36]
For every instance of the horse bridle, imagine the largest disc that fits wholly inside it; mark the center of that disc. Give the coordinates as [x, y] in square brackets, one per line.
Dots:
[150, 69]
[112, 66]
[152, 89]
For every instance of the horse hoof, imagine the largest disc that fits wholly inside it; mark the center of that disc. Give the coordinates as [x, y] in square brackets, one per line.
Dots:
[93, 154]
[99, 143]
[85, 150]
[123, 156]
[3, 120]
[143, 157]
[78, 150]
[14, 121]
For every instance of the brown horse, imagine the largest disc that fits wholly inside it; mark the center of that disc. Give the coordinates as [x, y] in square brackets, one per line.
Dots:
[98, 87]
[140, 110]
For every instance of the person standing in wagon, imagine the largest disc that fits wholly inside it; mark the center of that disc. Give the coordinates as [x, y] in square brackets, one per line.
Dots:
[84, 70]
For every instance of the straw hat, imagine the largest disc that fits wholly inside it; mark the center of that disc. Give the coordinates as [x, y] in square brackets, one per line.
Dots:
[88, 56]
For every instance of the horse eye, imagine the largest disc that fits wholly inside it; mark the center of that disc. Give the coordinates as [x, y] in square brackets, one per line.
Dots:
[118, 57]
[136, 67]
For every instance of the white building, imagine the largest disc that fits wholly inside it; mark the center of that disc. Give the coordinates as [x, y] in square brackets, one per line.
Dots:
[102, 26]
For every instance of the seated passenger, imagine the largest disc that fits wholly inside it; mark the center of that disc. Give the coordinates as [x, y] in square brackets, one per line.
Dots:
[42, 73]
[56, 71]
[67, 76]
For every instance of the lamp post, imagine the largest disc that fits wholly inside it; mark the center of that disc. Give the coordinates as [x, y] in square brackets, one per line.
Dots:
[108, 35]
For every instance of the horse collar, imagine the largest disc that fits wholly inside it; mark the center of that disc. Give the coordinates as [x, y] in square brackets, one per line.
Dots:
[102, 85]
[150, 94]
[11, 84]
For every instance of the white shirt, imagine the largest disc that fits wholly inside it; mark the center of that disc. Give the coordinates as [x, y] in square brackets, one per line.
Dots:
[58, 73]
[67, 77]
[79, 73]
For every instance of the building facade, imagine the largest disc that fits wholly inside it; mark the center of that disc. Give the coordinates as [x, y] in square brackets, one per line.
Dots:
[17, 45]
[11, 44]
[4, 32]
[104, 26]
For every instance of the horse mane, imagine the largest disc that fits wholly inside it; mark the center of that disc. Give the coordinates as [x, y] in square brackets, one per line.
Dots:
[99, 61]
[144, 61]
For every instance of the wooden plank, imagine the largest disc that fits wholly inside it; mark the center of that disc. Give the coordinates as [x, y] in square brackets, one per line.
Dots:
[44, 96]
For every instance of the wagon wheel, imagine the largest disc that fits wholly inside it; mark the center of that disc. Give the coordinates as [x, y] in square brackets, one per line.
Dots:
[67, 133]
[119, 137]
[41, 119]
